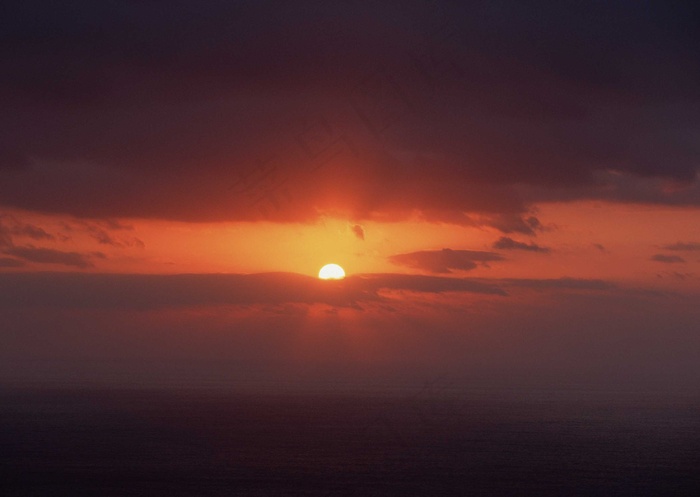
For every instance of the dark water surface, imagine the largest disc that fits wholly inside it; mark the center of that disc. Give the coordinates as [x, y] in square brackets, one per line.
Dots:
[147, 442]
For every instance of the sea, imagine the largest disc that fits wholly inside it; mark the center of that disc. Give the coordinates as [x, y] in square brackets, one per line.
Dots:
[108, 441]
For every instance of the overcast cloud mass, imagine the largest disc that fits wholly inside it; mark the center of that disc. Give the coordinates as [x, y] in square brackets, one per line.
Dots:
[248, 110]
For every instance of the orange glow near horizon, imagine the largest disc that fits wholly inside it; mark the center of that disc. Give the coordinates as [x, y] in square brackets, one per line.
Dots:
[584, 239]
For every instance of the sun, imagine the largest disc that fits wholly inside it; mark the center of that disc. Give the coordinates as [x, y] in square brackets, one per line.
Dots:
[331, 272]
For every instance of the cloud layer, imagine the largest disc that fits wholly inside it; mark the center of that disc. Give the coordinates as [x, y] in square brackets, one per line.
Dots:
[131, 291]
[669, 259]
[11, 229]
[445, 260]
[507, 243]
[267, 329]
[268, 110]
[148, 292]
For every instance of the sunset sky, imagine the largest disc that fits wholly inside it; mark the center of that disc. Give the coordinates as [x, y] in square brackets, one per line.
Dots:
[511, 187]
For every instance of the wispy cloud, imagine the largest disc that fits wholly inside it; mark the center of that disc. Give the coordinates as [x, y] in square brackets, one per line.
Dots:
[358, 231]
[11, 227]
[50, 256]
[683, 246]
[669, 259]
[103, 230]
[507, 243]
[445, 260]
[557, 283]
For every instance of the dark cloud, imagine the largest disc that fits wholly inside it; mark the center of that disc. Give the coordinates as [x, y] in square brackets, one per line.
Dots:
[683, 246]
[101, 236]
[516, 224]
[358, 231]
[85, 290]
[11, 227]
[230, 110]
[677, 275]
[50, 256]
[507, 243]
[8, 262]
[429, 284]
[157, 291]
[615, 186]
[5, 237]
[100, 233]
[445, 260]
[31, 231]
[670, 259]
[144, 291]
[246, 331]
[103, 231]
[557, 283]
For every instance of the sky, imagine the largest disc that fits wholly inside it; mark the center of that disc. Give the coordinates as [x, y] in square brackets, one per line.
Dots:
[511, 187]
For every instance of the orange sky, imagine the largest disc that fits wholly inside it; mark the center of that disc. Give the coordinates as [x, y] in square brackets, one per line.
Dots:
[585, 239]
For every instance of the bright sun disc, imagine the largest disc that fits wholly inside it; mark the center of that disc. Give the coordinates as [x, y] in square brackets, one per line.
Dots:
[331, 272]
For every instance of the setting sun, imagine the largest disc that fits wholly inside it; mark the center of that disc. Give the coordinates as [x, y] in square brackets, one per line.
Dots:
[331, 272]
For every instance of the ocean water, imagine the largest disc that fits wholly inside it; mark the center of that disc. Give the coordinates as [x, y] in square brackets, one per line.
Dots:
[119, 442]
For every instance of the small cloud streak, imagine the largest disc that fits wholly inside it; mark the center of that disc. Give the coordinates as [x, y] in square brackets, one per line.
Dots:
[428, 284]
[507, 243]
[677, 275]
[509, 223]
[358, 231]
[51, 256]
[684, 246]
[669, 259]
[558, 284]
[445, 260]
[33, 232]
[100, 232]
[26, 230]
